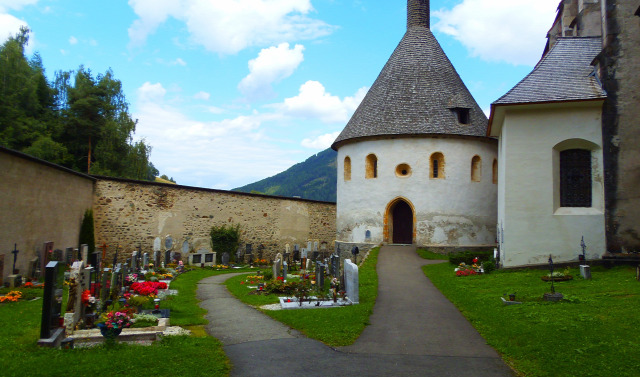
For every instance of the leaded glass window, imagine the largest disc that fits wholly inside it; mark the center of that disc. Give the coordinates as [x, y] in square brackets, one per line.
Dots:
[575, 178]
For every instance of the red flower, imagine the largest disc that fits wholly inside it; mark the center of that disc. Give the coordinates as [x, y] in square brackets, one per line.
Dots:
[280, 278]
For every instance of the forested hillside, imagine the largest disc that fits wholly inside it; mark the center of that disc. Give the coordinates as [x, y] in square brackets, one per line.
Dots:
[313, 179]
[78, 120]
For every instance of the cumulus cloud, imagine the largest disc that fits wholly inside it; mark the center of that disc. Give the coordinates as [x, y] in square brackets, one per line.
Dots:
[202, 96]
[220, 154]
[314, 102]
[73, 40]
[511, 31]
[229, 26]
[6, 5]
[10, 26]
[272, 65]
[320, 142]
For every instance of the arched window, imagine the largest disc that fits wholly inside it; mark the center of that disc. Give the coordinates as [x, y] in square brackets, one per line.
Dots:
[495, 171]
[371, 166]
[476, 168]
[575, 178]
[347, 168]
[436, 163]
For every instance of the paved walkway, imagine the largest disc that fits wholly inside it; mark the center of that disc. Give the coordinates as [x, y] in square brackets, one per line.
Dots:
[414, 331]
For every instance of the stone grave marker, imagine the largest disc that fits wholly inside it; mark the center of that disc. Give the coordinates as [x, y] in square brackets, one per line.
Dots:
[335, 265]
[51, 333]
[284, 270]
[33, 268]
[296, 252]
[57, 255]
[84, 251]
[168, 243]
[104, 291]
[351, 281]
[185, 247]
[156, 258]
[68, 255]
[316, 254]
[320, 267]
[277, 266]
[287, 248]
[134, 260]
[315, 245]
[177, 257]
[309, 246]
[157, 244]
[225, 258]
[195, 259]
[167, 257]
[45, 257]
[145, 260]
[239, 256]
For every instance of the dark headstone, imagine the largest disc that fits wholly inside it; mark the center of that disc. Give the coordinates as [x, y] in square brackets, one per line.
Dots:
[68, 255]
[56, 255]
[316, 254]
[225, 258]
[320, 268]
[167, 257]
[33, 268]
[177, 257]
[168, 243]
[335, 265]
[248, 249]
[45, 256]
[285, 269]
[50, 306]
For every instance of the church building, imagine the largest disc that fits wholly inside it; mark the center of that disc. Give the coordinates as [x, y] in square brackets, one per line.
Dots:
[415, 165]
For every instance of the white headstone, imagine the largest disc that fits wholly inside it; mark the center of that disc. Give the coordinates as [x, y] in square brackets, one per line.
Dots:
[85, 253]
[351, 281]
[157, 244]
[315, 245]
[287, 248]
[309, 244]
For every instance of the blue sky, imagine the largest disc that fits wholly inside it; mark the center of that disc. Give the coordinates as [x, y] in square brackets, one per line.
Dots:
[228, 92]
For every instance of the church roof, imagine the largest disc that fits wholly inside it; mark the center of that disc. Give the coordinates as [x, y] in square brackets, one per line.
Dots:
[418, 92]
[565, 73]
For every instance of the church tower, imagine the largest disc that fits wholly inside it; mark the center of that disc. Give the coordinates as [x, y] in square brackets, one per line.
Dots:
[414, 164]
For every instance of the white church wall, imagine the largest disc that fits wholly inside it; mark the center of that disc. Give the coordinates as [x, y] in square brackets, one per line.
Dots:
[534, 224]
[452, 211]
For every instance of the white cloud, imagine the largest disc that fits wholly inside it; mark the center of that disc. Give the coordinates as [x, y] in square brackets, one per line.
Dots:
[179, 61]
[218, 154]
[202, 96]
[320, 142]
[73, 40]
[9, 26]
[272, 65]
[229, 26]
[512, 31]
[314, 102]
[6, 5]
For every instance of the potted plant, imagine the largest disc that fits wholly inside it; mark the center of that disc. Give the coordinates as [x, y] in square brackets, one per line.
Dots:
[111, 323]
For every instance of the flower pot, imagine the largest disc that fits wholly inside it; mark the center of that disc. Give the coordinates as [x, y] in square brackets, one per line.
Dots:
[512, 297]
[109, 333]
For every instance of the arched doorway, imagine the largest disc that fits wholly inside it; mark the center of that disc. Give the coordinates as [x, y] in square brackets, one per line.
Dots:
[400, 222]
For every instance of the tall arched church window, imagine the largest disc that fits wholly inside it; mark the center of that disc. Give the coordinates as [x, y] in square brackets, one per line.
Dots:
[476, 168]
[575, 178]
[436, 163]
[347, 168]
[495, 171]
[371, 166]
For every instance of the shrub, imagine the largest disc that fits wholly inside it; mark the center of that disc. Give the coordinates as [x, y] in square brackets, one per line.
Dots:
[86, 231]
[489, 265]
[225, 239]
[467, 256]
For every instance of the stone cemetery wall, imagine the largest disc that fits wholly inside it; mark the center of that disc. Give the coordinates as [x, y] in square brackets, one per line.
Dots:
[132, 213]
[40, 202]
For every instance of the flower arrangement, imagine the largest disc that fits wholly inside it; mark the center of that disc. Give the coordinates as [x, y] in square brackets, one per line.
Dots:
[464, 270]
[116, 319]
[220, 267]
[88, 300]
[261, 262]
[148, 288]
[28, 284]
[131, 278]
[12, 296]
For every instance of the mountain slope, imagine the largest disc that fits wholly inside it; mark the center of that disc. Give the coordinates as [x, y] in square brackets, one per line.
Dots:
[314, 179]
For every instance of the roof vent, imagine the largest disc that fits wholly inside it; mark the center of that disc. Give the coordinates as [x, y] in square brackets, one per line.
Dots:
[418, 13]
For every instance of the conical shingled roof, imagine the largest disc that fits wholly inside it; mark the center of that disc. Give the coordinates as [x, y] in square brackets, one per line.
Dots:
[417, 93]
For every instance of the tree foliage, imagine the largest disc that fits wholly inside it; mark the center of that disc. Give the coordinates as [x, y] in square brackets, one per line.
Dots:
[225, 239]
[79, 120]
[87, 235]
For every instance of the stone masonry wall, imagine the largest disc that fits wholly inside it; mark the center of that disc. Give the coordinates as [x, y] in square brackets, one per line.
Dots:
[132, 213]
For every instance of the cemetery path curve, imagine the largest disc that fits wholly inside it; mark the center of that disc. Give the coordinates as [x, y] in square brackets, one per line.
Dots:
[414, 331]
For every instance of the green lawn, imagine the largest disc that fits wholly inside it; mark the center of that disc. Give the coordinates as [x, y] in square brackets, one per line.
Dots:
[593, 333]
[333, 326]
[192, 355]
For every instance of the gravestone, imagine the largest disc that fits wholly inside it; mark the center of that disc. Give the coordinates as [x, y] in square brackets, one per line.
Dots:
[51, 334]
[177, 257]
[335, 265]
[33, 268]
[57, 255]
[134, 261]
[157, 244]
[145, 260]
[320, 268]
[94, 259]
[68, 255]
[296, 252]
[168, 243]
[195, 259]
[172, 256]
[287, 248]
[45, 257]
[284, 270]
[239, 257]
[185, 247]
[225, 258]
[286, 257]
[315, 245]
[351, 281]
[84, 250]
[309, 246]
[277, 266]
[156, 258]
[316, 254]
[209, 258]
[167, 257]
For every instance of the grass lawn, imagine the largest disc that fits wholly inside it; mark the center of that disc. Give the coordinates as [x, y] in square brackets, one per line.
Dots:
[594, 332]
[181, 355]
[333, 326]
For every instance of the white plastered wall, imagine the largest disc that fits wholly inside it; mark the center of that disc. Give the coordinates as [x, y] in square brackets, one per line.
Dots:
[534, 224]
[453, 211]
